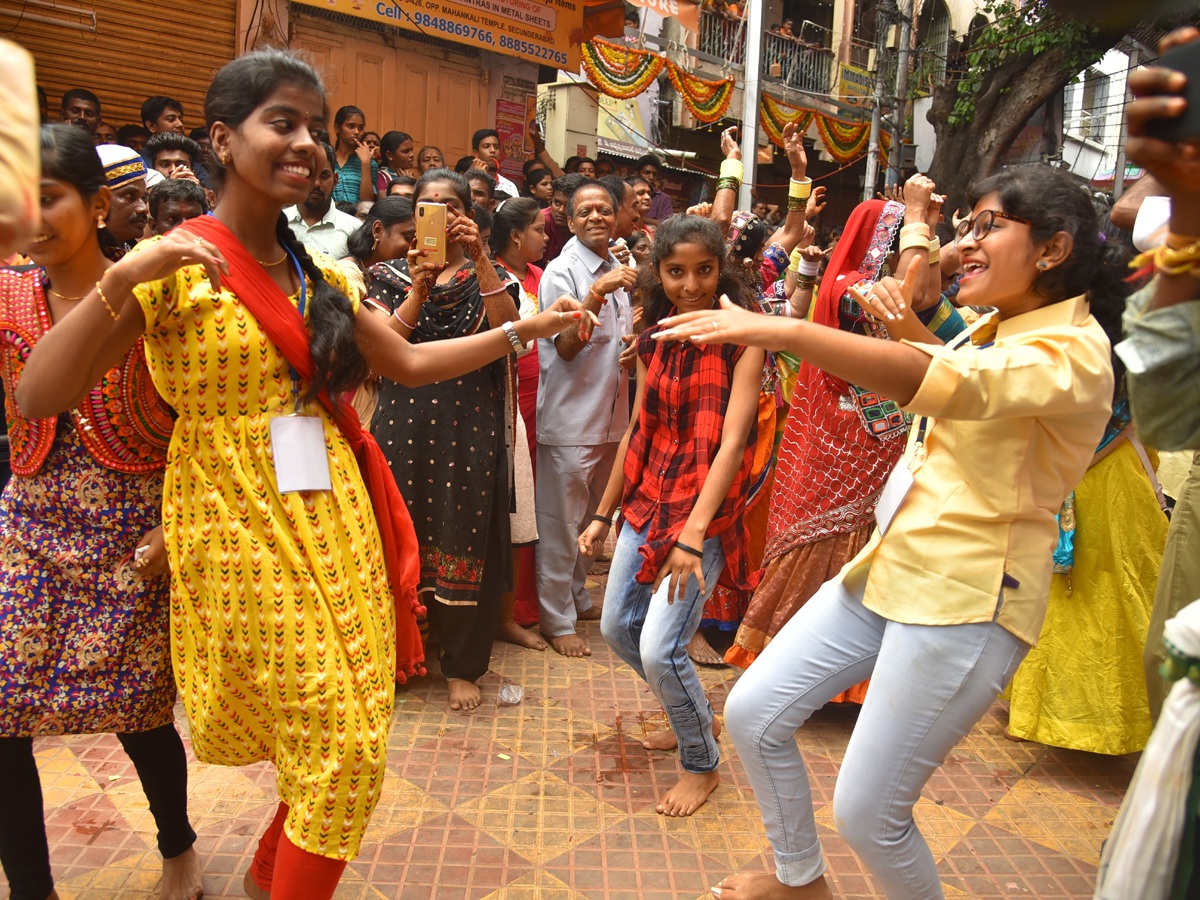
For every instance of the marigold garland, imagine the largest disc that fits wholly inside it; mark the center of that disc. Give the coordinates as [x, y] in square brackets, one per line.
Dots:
[774, 115]
[620, 71]
[844, 141]
[706, 100]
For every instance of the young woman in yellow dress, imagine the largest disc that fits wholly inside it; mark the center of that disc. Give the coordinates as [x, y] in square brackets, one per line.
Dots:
[283, 636]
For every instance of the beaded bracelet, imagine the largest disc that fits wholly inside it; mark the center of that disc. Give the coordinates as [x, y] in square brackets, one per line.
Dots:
[112, 312]
[799, 189]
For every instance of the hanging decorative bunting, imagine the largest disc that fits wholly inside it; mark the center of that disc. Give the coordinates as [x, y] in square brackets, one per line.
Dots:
[773, 115]
[844, 141]
[623, 72]
[620, 71]
[706, 100]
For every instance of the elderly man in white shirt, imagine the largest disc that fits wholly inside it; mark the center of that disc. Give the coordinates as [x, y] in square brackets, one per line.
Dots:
[317, 223]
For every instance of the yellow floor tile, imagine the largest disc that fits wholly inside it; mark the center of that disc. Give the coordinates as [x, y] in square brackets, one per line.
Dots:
[1056, 819]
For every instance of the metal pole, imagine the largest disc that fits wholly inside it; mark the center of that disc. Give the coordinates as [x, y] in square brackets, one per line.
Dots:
[898, 116]
[750, 91]
[877, 113]
[1119, 171]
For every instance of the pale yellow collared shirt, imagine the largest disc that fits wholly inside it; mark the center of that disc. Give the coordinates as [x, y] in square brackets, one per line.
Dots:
[1012, 430]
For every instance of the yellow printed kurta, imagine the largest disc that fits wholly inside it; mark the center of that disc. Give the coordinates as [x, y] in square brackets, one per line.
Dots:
[282, 628]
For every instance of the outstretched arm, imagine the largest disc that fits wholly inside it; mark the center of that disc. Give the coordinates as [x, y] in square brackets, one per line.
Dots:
[788, 235]
[889, 367]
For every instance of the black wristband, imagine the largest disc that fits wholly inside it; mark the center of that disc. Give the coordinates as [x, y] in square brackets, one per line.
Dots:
[599, 518]
[692, 550]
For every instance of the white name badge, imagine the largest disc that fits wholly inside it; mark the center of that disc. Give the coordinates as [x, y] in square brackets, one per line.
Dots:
[301, 460]
[898, 485]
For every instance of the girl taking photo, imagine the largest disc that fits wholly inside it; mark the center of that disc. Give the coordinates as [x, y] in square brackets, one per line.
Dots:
[682, 492]
[946, 598]
[293, 592]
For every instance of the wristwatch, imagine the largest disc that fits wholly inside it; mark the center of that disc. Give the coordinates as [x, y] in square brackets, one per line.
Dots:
[511, 333]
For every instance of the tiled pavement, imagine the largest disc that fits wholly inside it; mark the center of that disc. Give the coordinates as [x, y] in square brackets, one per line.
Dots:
[554, 799]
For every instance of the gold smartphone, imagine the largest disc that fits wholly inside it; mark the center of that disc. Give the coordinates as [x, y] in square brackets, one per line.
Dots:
[431, 231]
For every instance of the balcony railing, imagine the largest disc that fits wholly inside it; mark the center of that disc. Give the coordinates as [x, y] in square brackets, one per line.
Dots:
[723, 38]
[798, 65]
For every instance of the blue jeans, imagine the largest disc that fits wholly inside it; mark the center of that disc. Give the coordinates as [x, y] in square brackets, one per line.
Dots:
[652, 636]
[929, 685]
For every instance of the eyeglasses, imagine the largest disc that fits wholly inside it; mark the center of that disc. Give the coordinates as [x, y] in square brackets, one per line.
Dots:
[981, 226]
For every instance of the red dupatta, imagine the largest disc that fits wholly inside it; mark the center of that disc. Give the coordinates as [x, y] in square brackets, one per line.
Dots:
[286, 328]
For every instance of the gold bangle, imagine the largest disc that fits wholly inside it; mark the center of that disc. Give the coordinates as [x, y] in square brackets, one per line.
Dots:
[112, 312]
[801, 190]
[913, 241]
[916, 228]
[935, 251]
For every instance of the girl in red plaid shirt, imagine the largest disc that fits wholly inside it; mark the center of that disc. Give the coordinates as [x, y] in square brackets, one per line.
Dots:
[682, 491]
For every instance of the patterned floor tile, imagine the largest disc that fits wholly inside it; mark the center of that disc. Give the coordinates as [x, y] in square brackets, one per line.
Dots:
[541, 815]
[993, 862]
[1057, 819]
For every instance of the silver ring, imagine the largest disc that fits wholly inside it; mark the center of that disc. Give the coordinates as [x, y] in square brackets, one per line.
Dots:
[713, 327]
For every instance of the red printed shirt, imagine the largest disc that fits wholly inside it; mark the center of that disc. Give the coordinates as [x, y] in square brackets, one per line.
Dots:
[673, 444]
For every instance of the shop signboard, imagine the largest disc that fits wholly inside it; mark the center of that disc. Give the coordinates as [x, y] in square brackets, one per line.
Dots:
[537, 31]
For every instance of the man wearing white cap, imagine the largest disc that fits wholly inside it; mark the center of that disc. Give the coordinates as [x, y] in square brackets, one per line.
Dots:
[127, 178]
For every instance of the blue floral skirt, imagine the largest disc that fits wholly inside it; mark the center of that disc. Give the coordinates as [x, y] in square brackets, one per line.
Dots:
[83, 639]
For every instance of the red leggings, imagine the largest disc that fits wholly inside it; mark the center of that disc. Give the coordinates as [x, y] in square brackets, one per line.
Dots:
[288, 873]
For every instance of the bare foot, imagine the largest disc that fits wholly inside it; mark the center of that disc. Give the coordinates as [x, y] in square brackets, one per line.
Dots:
[768, 887]
[591, 614]
[701, 651]
[464, 695]
[688, 794]
[251, 889]
[571, 645]
[666, 739]
[522, 637]
[181, 878]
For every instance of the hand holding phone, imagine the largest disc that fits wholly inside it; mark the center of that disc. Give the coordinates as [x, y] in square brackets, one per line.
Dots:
[431, 231]
[1185, 59]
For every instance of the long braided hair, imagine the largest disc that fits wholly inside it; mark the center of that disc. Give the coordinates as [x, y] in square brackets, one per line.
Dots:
[236, 91]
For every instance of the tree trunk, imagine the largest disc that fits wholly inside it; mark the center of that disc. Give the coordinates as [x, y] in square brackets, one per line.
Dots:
[1009, 98]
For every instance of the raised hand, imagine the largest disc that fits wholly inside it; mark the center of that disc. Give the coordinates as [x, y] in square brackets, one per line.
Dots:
[1176, 164]
[463, 230]
[816, 202]
[793, 146]
[729, 144]
[700, 209]
[620, 277]
[917, 193]
[364, 153]
[421, 271]
[810, 235]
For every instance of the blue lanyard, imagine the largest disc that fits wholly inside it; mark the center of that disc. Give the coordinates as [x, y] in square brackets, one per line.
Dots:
[300, 306]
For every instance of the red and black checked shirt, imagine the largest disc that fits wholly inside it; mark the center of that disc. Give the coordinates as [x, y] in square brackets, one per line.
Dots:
[675, 440]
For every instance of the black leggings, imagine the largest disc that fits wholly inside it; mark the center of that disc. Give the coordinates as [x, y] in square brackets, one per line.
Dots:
[161, 765]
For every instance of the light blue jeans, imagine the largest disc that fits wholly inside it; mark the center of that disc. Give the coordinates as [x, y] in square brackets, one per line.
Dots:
[652, 636]
[929, 685]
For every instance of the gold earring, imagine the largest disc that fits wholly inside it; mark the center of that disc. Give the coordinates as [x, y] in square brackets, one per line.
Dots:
[518, 245]
[225, 158]
[375, 245]
[100, 223]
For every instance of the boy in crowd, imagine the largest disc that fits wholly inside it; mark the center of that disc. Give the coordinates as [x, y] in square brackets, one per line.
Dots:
[173, 201]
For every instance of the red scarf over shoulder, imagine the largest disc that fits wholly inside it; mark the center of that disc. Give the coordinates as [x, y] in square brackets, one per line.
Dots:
[286, 328]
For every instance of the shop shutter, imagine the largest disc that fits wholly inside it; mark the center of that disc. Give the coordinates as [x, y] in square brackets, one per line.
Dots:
[428, 89]
[137, 49]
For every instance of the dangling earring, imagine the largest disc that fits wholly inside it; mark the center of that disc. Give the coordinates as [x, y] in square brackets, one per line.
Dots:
[518, 243]
[375, 245]
[100, 223]
[225, 158]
